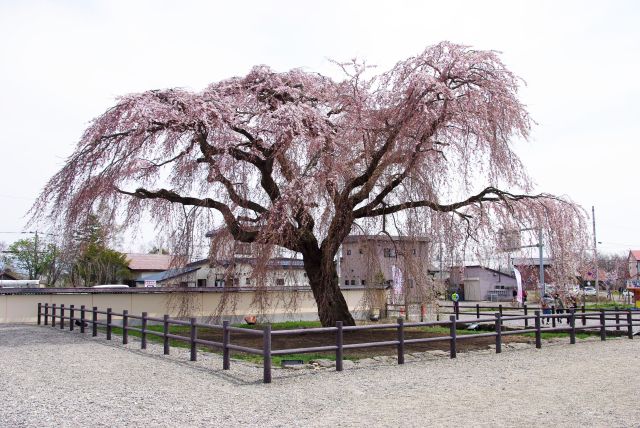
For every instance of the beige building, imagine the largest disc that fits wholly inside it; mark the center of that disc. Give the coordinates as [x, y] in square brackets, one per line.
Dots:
[381, 259]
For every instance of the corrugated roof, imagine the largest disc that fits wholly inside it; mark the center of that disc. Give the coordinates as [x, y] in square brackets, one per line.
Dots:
[157, 262]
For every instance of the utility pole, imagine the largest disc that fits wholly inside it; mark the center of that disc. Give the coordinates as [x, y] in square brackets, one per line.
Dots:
[543, 287]
[595, 248]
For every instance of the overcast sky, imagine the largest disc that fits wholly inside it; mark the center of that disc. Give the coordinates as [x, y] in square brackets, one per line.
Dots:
[64, 62]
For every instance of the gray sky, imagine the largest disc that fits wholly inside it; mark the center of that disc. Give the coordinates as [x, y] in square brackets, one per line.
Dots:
[64, 62]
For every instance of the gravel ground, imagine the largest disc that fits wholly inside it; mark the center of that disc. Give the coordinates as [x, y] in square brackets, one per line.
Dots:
[57, 378]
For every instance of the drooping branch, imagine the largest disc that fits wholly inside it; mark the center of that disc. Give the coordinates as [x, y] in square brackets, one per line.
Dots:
[489, 194]
[239, 233]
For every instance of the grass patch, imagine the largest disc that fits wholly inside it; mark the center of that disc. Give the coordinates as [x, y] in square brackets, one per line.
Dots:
[608, 305]
[285, 325]
[438, 329]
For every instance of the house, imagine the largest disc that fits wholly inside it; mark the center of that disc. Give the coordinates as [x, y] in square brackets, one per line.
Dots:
[530, 271]
[634, 268]
[8, 274]
[141, 265]
[482, 283]
[399, 262]
[237, 272]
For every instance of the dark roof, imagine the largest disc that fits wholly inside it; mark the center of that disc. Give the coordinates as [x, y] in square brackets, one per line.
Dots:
[511, 275]
[532, 261]
[383, 237]
[167, 274]
[276, 262]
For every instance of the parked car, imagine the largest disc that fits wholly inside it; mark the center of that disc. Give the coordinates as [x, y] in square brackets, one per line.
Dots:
[589, 291]
[627, 293]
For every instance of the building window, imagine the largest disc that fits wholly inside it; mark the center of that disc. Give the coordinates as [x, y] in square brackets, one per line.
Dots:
[202, 282]
[389, 252]
[414, 251]
[360, 251]
[348, 252]
[219, 282]
[353, 282]
[247, 281]
[346, 282]
[236, 281]
[363, 282]
[279, 281]
[243, 248]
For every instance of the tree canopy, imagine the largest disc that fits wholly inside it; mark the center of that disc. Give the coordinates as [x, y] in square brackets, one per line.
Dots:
[295, 159]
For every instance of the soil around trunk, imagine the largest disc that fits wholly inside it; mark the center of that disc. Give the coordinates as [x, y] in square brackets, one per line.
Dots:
[465, 342]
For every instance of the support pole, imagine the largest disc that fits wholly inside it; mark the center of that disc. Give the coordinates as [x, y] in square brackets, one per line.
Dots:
[400, 341]
[453, 351]
[339, 345]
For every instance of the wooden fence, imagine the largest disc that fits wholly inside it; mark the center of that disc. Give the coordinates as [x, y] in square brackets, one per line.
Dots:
[83, 317]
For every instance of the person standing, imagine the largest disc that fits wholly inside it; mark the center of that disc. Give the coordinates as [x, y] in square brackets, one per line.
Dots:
[557, 301]
[546, 303]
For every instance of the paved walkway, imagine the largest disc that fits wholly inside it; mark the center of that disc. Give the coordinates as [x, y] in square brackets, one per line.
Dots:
[56, 378]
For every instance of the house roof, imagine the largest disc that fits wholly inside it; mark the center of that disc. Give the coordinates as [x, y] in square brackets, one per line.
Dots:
[533, 261]
[383, 237]
[9, 274]
[159, 262]
[274, 263]
[635, 254]
[511, 275]
[168, 274]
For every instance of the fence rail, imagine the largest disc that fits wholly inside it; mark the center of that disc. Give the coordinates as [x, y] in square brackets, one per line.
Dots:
[84, 317]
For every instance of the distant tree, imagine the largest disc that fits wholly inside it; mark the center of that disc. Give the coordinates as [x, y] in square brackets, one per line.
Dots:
[37, 259]
[93, 262]
[296, 159]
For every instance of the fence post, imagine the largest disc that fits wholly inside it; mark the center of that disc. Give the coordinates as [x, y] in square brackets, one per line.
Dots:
[500, 309]
[456, 309]
[422, 312]
[498, 332]
[125, 325]
[94, 320]
[165, 332]
[452, 342]
[629, 324]
[572, 323]
[61, 316]
[526, 313]
[109, 323]
[53, 315]
[82, 318]
[71, 316]
[617, 320]
[477, 310]
[339, 344]
[46, 314]
[143, 333]
[193, 337]
[226, 336]
[538, 332]
[584, 318]
[603, 330]
[400, 341]
[266, 353]
[39, 313]
[553, 318]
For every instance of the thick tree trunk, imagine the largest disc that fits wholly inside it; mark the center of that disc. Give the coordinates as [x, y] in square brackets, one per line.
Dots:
[323, 279]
